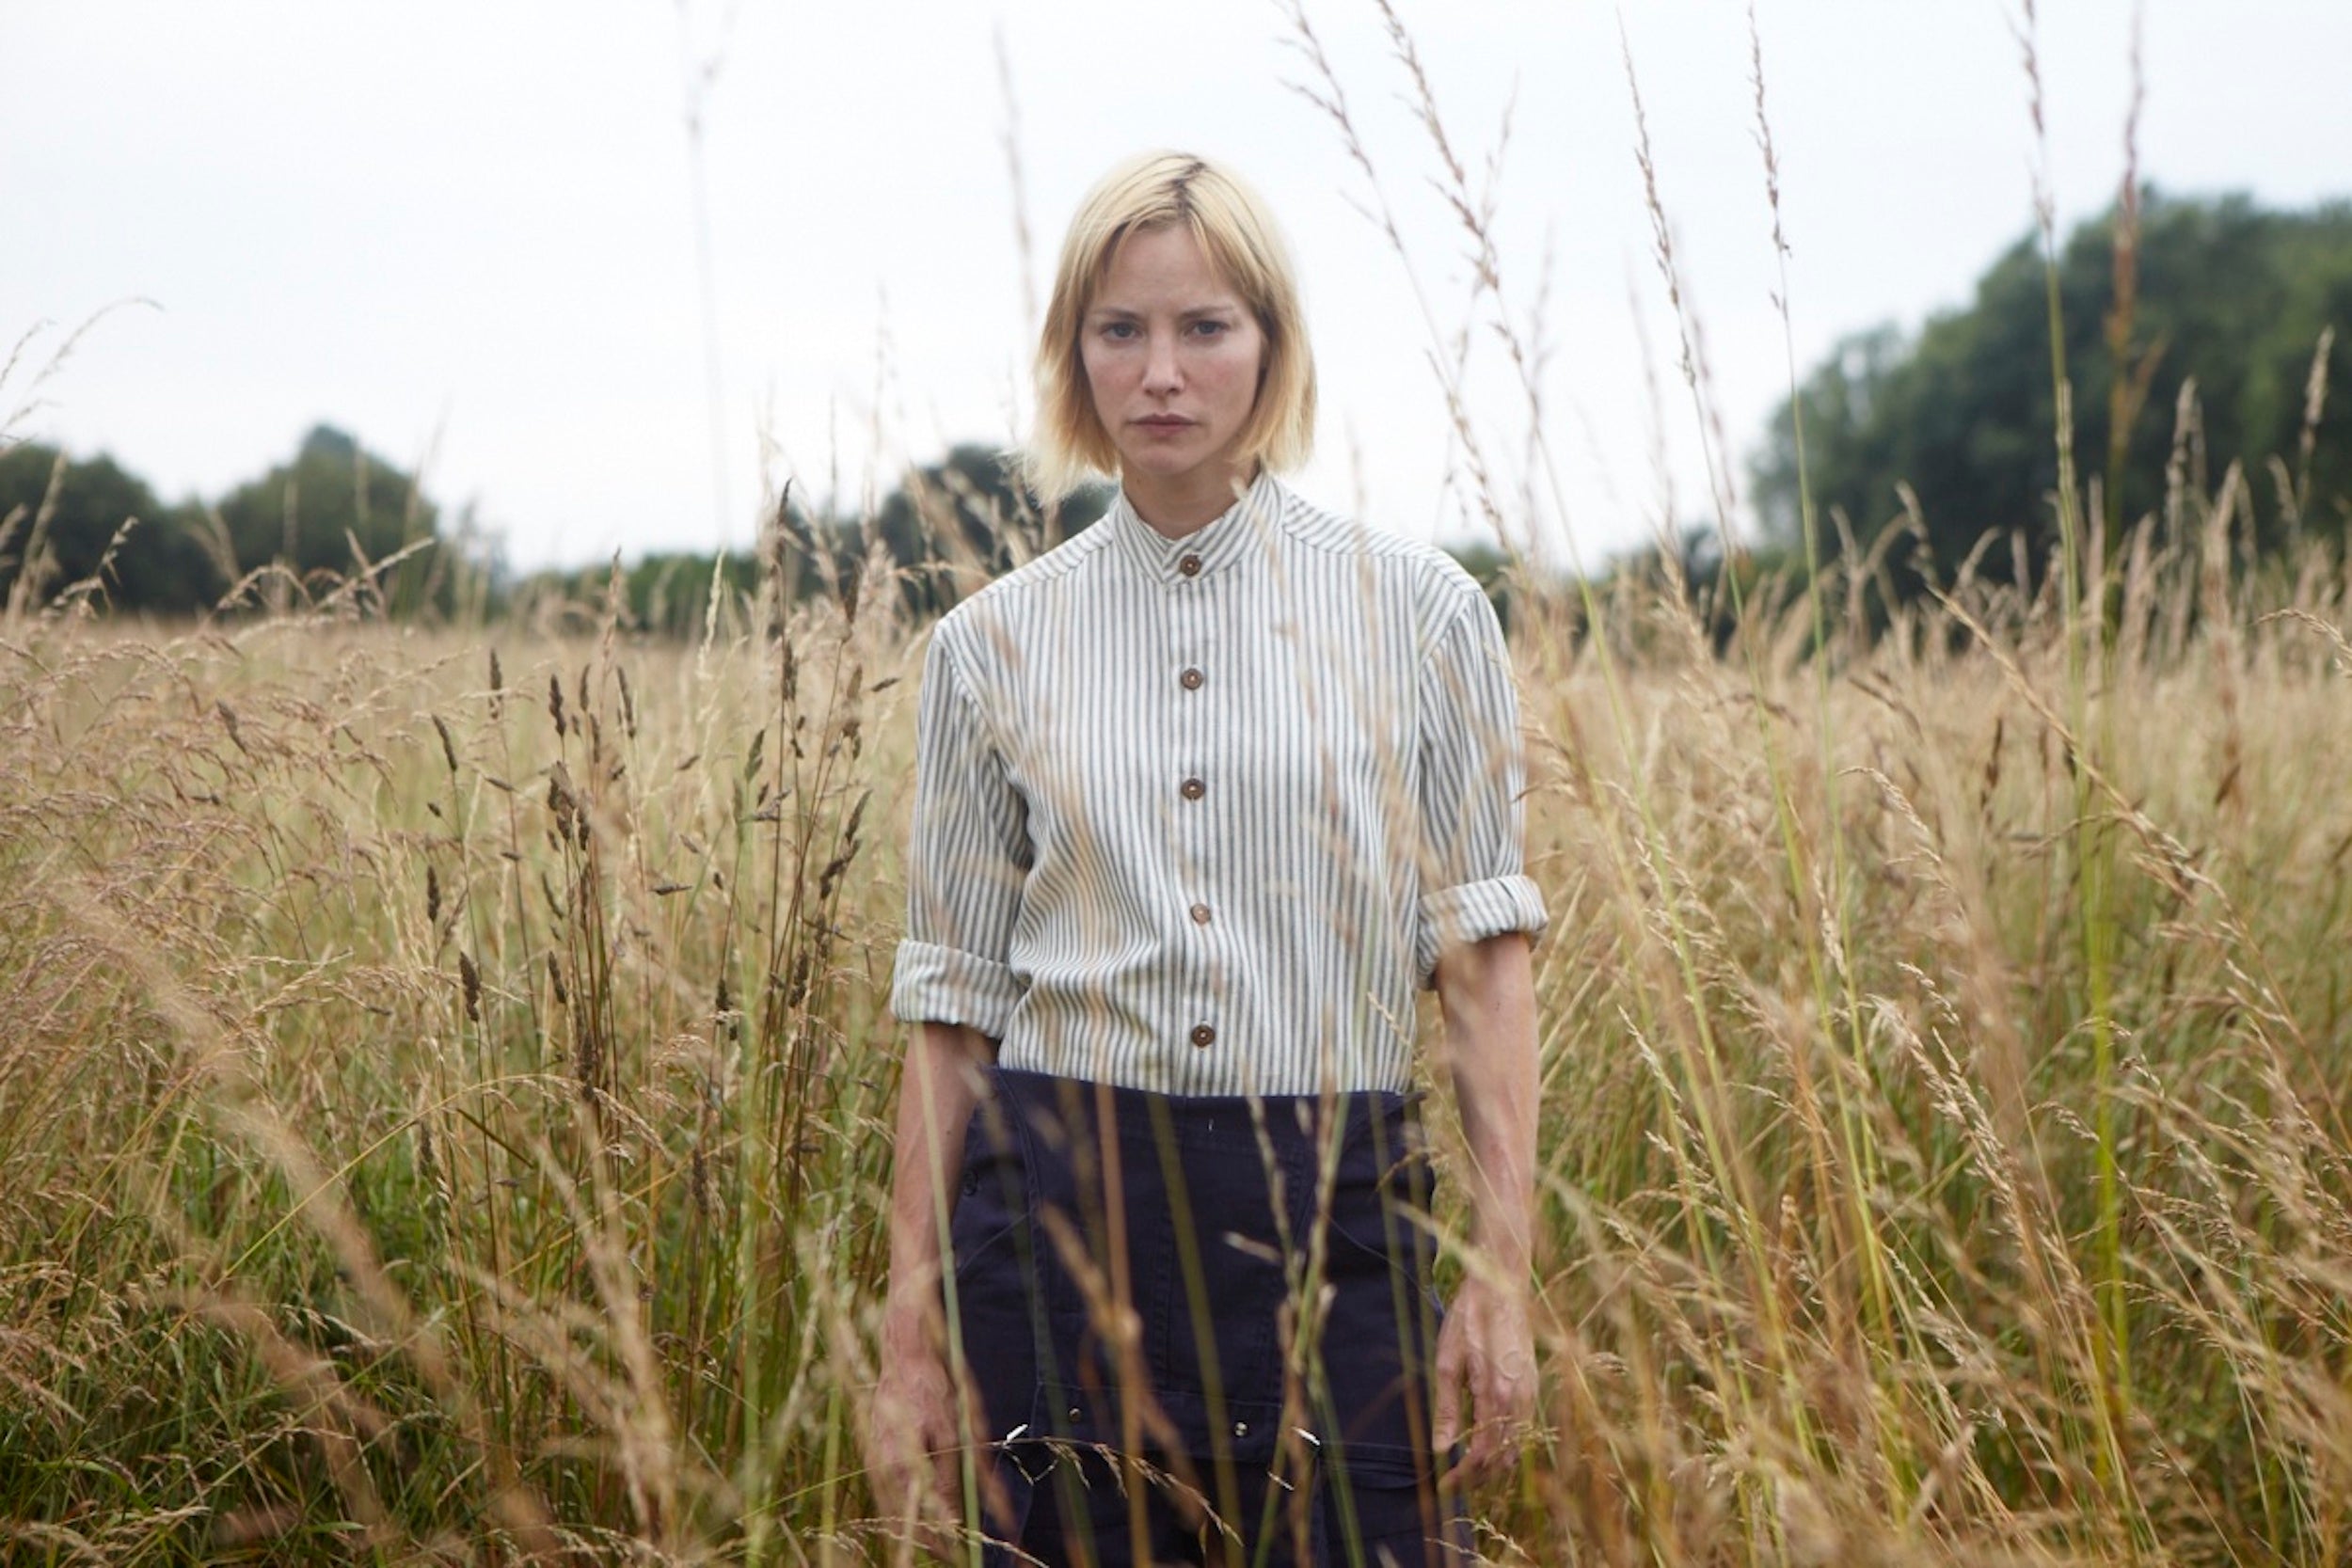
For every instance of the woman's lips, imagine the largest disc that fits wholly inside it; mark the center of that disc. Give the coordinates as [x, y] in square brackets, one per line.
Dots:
[1164, 423]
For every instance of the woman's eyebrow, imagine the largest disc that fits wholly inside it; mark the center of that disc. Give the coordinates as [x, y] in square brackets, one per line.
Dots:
[1190, 312]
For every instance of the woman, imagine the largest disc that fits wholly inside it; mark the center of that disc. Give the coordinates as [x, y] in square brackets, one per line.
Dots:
[1202, 795]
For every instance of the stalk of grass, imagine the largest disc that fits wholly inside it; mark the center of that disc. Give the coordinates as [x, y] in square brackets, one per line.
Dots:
[2085, 638]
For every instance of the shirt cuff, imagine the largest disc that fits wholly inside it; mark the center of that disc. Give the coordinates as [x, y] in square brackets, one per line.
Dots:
[945, 985]
[1472, 912]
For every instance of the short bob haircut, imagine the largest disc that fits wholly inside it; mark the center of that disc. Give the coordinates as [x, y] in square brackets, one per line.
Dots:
[1157, 190]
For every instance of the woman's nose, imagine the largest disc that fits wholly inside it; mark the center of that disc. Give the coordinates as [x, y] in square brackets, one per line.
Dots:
[1160, 373]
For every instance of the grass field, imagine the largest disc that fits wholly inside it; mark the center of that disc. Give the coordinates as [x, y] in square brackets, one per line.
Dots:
[444, 1078]
[443, 1082]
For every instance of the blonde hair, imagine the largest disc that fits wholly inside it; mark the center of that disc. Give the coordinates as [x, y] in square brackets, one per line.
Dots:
[1238, 234]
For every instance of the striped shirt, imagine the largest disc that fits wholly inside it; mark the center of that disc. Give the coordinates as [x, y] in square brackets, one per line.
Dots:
[1194, 815]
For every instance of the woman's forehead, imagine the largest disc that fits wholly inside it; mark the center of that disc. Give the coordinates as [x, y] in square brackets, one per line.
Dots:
[1165, 258]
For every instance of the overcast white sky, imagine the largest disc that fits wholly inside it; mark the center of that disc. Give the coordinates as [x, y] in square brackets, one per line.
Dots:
[464, 231]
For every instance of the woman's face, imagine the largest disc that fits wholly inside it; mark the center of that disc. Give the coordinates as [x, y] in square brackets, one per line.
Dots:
[1172, 357]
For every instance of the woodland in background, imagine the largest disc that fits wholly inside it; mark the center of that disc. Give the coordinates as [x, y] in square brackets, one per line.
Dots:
[1942, 436]
[1947, 432]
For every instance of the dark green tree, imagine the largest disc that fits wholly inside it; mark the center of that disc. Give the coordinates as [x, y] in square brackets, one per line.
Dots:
[967, 519]
[306, 515]
[66, 518]
[2230, 296]
[949, 528]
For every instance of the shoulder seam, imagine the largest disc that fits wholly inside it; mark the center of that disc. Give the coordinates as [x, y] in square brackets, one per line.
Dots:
[1060, 562]
[1299, 515]
[1467, 596]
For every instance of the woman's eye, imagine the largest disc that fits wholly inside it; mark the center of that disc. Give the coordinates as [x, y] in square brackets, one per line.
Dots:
[1209, 328]
[1118, 331]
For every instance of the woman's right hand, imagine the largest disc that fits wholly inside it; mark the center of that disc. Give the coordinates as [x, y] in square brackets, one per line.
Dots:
[917, 1426]
[913, 1438]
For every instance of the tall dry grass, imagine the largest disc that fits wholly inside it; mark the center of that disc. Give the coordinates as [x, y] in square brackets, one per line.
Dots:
[441, 1084]
[443, 1077]
[461, 1070]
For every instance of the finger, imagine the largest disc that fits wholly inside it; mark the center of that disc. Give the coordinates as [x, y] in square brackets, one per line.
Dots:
[1486, 1452]
[946, 1477]
[1458, 1476]
[887, 1460]
[907, 1496]
[1516, 1388]
[1503, 1401]
[1515, 1378]
[1518, 1391]
[1476, 1465]
[1486, 1428]
[1446, 1403]
[1460, 1448]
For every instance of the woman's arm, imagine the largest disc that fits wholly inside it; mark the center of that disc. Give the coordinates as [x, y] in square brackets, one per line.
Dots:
[915, 1430]
[1487, 991]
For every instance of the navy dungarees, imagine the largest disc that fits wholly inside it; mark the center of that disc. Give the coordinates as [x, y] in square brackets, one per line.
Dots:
[1271, 1259]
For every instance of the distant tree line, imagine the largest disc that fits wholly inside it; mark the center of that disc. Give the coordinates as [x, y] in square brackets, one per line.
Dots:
[2239, 318]
[336, 521]
[949, 527]
[339, 523]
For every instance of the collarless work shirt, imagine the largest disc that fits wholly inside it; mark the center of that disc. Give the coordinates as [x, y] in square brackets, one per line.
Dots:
[1194, 815]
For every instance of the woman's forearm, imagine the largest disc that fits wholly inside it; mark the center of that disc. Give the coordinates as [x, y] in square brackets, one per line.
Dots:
[1487, 991]
[938, 1086]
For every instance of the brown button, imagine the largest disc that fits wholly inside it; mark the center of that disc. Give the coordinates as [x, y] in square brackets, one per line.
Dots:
[1203, 1036]
[1200, 914]
[1192, 789]
[1189, 566]
[1192, 680]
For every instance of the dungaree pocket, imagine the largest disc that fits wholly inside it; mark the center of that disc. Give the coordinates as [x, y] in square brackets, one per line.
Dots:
[996, 1300]
[1227, 1226]
[1380, 1338]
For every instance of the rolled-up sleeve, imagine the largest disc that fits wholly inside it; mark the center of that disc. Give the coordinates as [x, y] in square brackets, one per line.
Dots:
[1473, 878]
[967, 857]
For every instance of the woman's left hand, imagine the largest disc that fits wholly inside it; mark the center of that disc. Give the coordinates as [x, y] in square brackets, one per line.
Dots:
[1485, 1351]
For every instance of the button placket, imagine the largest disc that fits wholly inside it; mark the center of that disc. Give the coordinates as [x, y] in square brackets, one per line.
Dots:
[1195, 808]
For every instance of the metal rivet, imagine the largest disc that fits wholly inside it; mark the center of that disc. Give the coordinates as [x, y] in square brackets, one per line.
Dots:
[1076, 1414]
[1192, 679]
[1192, 789]
[1241, 1429]
[1200, 914]
[1190, 565]
[1203, 1036]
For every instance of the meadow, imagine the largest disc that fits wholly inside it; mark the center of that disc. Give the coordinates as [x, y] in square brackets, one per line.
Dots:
[444, 1077]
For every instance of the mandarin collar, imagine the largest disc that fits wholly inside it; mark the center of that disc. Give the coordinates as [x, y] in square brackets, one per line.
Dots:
[1239, 533]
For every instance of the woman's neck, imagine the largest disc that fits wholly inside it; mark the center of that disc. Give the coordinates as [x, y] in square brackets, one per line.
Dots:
[1177, 508]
